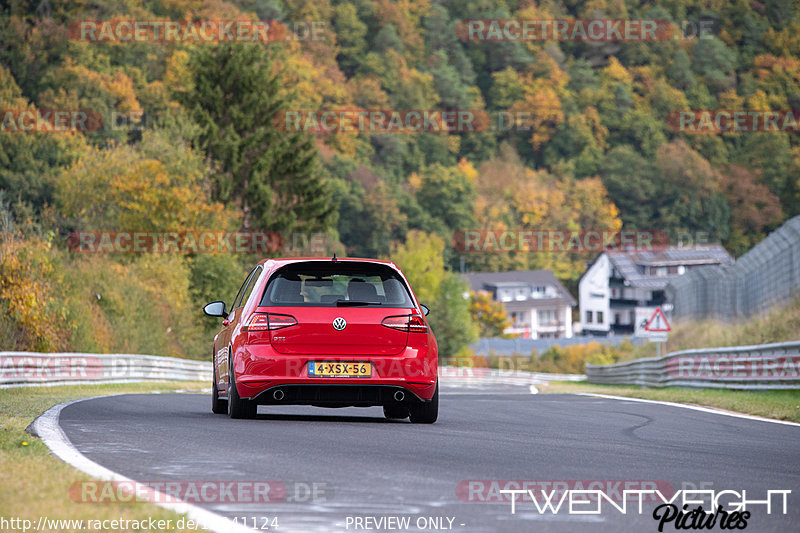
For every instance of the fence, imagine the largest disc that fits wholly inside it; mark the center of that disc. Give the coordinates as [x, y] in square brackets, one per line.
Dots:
[767, 366]
[766, 275]
[28, 368]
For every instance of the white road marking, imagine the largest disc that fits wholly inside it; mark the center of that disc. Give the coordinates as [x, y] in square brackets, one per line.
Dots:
[46, 427]
[692, 407]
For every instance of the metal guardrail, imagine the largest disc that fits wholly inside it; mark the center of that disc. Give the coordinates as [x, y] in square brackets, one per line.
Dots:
[468, 375]
[18, 369]
[765, 366]
[21, 369]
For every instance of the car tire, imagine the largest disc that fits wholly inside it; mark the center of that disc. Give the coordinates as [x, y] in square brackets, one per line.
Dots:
[218, 405]
[238, 407]
[426, 413]
[395, 412]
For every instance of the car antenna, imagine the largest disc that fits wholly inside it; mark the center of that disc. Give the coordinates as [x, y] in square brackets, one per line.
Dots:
[334, 258]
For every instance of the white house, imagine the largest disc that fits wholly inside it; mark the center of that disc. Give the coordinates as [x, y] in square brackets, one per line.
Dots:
[618, 284]
[537, 303]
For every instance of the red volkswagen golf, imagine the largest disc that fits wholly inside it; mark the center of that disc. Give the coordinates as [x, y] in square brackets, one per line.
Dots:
[328, 333]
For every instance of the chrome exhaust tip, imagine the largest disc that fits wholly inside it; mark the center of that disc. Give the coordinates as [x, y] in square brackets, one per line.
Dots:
[278, 395]
[399, 396]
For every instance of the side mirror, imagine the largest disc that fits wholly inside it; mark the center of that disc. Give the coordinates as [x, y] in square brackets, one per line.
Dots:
[425, 309]
[215, 309]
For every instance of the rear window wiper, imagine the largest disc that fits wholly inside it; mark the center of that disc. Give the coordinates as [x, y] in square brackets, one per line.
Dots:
[345, 303]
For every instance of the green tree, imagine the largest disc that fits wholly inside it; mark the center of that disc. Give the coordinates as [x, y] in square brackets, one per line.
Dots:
[689, 192]
[350, 35]
[421, 260]
[273, 176]
[714, 62]
[631, 184]
[448, 193]
[29, 162]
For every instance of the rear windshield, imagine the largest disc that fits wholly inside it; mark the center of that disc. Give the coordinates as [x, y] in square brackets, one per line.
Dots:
[329, 284]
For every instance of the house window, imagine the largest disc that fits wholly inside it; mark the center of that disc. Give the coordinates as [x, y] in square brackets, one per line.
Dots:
[547, 317]
[588, 317]
[599, 317]
[616, 318]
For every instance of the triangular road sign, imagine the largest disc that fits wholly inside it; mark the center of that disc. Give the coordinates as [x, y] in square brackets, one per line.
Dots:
[658, 322]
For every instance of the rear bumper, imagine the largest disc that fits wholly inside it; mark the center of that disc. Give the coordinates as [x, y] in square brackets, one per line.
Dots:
[337, 395]
[260, 371]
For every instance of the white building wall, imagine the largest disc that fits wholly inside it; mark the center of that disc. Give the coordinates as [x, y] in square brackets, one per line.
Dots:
[594, 295]
[567, 320]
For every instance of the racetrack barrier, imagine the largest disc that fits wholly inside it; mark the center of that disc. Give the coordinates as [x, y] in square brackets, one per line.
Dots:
[19, 369]
[466, 376]
[765, 366]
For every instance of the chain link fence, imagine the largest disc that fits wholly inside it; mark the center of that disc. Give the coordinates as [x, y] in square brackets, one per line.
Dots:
[768, 274]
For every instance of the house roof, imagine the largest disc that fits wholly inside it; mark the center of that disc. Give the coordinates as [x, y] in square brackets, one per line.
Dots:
[628, 264]
[482, 281]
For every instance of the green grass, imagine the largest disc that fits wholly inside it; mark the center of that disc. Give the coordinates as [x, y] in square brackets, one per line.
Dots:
[781, 405]
[35, 482]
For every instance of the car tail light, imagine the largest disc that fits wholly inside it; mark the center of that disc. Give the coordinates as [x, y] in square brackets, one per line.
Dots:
[269, 322]
[405, 323]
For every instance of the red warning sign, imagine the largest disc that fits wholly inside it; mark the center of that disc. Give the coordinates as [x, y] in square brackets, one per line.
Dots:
[658, 322]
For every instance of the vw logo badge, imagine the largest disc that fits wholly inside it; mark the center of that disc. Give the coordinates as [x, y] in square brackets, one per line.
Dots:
[339, 324]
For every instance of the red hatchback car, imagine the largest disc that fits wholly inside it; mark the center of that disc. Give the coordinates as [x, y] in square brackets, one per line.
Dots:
[329, 333]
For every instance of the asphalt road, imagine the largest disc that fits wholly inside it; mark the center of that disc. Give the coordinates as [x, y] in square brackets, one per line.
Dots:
[369, 468]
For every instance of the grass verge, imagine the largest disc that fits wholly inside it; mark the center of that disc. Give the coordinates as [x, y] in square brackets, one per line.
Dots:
[36, 483]
[778, 325]
[778, 404]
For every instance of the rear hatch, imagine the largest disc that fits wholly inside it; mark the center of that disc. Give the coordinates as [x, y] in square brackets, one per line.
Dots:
[339, 308]
[314, 333]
